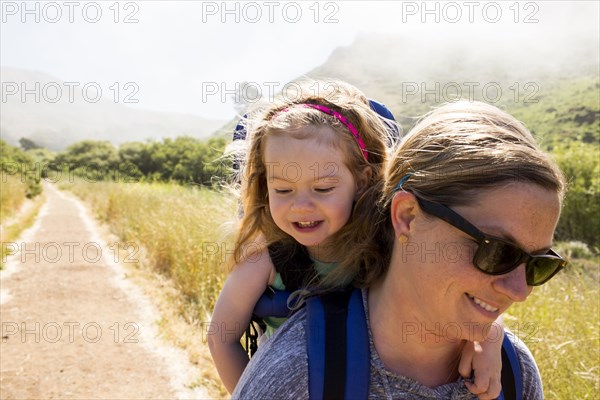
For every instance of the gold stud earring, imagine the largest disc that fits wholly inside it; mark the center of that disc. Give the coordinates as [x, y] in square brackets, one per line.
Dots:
[403, 238]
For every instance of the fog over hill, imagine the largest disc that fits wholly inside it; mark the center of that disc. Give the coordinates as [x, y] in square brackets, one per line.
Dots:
[55, 114]
[409, 73]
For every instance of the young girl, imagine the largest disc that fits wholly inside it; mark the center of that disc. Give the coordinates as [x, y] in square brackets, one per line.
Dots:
[312, 175]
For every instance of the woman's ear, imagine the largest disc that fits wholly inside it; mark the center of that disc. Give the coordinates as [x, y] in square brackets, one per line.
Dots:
[403, 212]
[363, 181]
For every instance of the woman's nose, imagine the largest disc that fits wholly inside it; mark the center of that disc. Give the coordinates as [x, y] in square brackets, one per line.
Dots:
[514, 284]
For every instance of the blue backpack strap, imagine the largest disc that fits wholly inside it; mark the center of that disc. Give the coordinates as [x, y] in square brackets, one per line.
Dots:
[337, 346]
[273, 303]
[358, 364]
[512, 383]
[388, 119]
[326, 316]
[315, 342]
[239, 133]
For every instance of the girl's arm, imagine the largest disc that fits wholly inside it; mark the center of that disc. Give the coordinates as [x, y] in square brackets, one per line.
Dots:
[485, 360]
[231, 316]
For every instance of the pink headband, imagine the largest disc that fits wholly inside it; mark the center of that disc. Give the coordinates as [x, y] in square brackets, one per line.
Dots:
[340, 118]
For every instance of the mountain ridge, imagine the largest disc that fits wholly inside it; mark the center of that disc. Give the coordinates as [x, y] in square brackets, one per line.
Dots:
[537, 85]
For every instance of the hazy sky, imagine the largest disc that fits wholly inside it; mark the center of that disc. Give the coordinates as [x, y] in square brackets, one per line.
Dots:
[184, 56]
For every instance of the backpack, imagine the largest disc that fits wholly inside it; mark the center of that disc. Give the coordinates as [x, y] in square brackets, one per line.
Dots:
[338, 346]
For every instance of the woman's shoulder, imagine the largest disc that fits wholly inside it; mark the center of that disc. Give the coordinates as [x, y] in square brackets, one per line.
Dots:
[279, 369]
[530, 374]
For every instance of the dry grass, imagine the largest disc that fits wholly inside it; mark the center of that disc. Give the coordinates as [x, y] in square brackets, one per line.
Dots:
[18, 213]
[560, 323]
[12, 196]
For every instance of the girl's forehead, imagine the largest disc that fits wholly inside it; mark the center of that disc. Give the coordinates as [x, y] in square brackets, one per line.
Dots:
[315, 137]
[278, 147]
[303, 139]
[288, 158]
[317, 132]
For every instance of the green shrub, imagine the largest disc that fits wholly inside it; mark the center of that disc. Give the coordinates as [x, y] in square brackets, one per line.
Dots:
[579, 221]
[19, 165]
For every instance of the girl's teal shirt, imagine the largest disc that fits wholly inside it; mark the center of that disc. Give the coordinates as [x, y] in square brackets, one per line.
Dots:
[273, 322]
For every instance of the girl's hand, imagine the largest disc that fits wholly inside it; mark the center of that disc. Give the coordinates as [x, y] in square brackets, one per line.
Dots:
[484, 360]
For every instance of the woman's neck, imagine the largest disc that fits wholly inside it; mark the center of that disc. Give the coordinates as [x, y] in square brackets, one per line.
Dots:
[407, 346]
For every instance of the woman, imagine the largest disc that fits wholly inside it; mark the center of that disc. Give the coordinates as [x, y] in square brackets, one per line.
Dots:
[469, 209]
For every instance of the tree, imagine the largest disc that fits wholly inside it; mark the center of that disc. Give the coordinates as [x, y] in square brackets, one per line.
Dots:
[15, 162]
[28, 144]
[92, 159]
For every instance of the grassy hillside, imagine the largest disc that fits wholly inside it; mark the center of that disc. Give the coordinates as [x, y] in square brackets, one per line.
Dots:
[555, 97]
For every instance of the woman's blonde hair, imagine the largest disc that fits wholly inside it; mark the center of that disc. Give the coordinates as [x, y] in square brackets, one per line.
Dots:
[455, 152]
[282, 117]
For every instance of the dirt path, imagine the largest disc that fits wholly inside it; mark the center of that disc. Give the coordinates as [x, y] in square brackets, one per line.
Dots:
[73, 326]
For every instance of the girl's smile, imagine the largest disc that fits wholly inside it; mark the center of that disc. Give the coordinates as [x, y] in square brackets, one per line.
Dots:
[307, 226]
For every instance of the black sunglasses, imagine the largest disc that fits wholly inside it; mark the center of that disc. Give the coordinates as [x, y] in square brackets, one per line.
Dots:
[496, 256]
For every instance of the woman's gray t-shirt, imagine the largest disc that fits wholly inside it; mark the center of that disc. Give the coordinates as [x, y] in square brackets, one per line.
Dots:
[279, 370]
